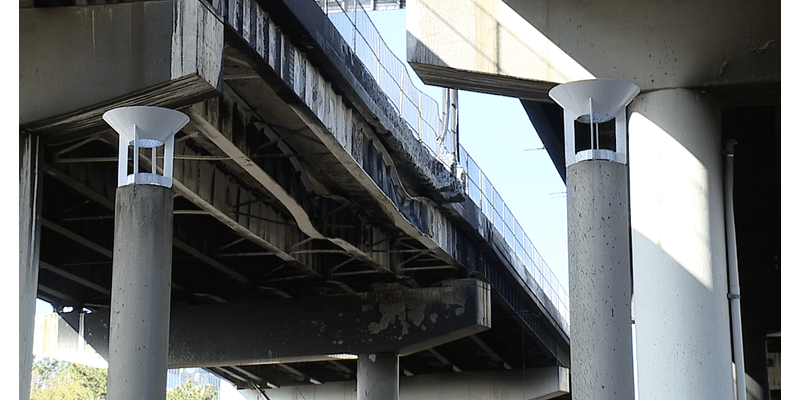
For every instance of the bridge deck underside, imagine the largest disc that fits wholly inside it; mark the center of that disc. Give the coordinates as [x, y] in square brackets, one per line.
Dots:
[266, 209]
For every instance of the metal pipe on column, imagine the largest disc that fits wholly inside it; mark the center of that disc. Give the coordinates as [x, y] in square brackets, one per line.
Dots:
[733, 276]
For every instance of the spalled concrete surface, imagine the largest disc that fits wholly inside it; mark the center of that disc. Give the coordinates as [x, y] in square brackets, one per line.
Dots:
[398, 321]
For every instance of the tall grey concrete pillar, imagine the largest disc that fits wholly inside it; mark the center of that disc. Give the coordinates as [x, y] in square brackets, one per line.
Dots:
[678, 225]
[30, 189]
[378, 376]
[601, 343]
[601, 346]
[140, 295]
[142, 266]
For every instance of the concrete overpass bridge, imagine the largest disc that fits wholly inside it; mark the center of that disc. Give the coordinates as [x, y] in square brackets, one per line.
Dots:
[319, 219]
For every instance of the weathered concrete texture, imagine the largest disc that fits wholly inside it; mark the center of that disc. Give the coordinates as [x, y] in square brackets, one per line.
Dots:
[140, 294]
[680, 275]
[526, 384]
[30, 208]
[599, 280]
[399, 321]
[489, 45]
[315, 101]
[74, 59]
[378, 376]
[313, 76]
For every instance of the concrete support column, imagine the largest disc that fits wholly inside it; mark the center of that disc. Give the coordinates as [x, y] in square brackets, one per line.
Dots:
[378, 376]
[30, 200]
[677, 217]
[600, 280]
[140, 296]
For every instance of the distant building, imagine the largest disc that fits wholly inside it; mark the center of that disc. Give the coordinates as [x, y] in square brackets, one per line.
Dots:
[199, 376]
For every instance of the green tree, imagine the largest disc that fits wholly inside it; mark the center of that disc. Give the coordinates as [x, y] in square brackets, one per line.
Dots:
[60, 380]
[188, 391]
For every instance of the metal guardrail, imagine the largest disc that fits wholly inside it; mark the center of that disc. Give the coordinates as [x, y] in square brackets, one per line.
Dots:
[421, 112]
[484, 194]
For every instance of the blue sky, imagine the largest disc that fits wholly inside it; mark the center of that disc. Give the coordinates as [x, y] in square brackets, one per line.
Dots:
[497, 133]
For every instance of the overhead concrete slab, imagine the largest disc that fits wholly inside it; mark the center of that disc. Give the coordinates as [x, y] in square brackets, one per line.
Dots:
[77, 59]
[521, 47]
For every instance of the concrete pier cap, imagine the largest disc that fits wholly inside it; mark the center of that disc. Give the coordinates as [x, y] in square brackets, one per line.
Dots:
[144, 127]
[595, 123]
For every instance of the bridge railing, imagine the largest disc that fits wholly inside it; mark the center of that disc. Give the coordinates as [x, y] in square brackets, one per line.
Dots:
[484, 194]
[421, 112]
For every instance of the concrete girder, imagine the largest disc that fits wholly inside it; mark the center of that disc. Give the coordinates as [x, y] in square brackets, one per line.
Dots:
[155, 53]
[76, 237]
[527, 384]
[522, 48]
[313, 329]
[401, 321]
[307, 98]
[108, 203]
[271, 186]
[74, 278]
[218, 194]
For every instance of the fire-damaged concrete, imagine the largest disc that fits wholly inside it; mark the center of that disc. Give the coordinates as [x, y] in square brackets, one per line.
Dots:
[400, 321]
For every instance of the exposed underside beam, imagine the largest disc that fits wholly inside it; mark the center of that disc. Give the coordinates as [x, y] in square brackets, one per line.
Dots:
[318, 329]
[526, 384]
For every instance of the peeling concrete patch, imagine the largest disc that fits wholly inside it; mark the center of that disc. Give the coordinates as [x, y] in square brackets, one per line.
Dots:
[763, 47]
[416, 312]
[433, 317]
[460, 310]
[389, 313]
